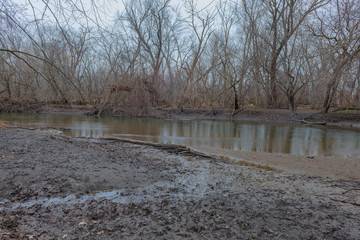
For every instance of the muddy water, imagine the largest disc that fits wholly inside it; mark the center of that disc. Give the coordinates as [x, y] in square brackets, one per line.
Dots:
[242, 136]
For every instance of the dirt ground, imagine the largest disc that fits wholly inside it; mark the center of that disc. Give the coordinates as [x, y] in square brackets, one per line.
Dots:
[56, 187]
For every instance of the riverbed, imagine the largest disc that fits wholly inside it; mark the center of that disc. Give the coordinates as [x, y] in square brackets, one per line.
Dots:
[58, 187]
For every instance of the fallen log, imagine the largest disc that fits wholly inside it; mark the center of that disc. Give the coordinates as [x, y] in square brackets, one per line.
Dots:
[172, 147]
[311, 123]
[181, 149]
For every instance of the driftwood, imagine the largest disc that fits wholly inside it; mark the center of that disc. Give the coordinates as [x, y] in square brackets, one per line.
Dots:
[311, 123]
[171, 147]
[180, 149]
[347, 202]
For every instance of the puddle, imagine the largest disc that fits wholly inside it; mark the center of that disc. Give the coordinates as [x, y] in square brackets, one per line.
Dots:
[117, 196]
[187, 185]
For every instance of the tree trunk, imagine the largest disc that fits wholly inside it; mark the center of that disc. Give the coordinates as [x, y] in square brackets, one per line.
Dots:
[290, 94]
[236, 99]
[356, 99]
[327, 100]
[332, 84]
[272, 97]
[8, 88]
[291, 100]
[272, 100]
[329, 95]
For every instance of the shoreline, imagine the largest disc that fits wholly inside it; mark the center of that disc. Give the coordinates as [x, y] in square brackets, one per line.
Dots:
[325, 166]
[54, 186]
[304, 115]
[332, 167]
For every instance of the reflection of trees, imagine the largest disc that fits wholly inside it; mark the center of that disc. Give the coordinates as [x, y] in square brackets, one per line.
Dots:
[270, 134]
[326, 144]
[220, 134]
[308, 140]
[255, 139]
[288, 140]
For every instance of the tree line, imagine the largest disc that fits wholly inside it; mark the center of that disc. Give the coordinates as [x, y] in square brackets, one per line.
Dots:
[159, 53]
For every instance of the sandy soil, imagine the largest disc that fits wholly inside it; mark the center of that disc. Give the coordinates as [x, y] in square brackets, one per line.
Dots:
[56, 187]
[335, 167]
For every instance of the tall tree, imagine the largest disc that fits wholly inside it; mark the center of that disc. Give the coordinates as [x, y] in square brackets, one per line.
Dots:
[339, 25]
[200, 25]
[283, 18]
[151, 22]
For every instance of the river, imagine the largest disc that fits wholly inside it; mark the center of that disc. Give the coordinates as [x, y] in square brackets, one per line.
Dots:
[233, 135]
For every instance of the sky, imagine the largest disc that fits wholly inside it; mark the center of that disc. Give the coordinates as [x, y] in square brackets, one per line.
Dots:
[113, 5]
[105, 16]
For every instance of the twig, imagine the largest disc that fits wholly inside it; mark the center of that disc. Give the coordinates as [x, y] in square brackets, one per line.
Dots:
[343, 201]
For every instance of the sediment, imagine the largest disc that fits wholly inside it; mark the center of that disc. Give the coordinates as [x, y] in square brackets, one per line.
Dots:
[57, 187]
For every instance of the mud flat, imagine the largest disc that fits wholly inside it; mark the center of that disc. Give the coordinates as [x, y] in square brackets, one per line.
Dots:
[56, 187]
[332, 166]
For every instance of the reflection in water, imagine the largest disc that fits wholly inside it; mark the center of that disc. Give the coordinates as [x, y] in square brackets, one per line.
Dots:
[280, 138]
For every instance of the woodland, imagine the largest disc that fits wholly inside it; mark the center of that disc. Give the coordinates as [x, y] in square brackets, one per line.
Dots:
[168, 54]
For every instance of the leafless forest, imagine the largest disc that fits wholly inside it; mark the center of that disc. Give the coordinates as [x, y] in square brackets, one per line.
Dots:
[166, 54]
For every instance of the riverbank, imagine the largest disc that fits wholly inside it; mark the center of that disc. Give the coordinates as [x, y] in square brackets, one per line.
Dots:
[335, 167]
[341, 118]
[304, 114]
[52, 186]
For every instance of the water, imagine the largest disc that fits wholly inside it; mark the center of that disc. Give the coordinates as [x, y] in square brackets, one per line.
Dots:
[242, 136]
[118, 196]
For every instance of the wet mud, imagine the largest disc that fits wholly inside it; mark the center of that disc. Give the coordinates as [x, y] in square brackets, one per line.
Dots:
[57, 187]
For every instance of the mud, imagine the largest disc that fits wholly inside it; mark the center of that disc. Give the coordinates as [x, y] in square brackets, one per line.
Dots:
[56, 187]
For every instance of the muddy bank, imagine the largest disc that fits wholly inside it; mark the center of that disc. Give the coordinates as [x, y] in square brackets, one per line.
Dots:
[336, 167]
[3, 125]
[7, 106]
[55, 187]
[304, 115]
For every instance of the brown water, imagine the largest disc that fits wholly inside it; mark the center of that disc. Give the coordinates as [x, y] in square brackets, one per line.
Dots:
[242, 136]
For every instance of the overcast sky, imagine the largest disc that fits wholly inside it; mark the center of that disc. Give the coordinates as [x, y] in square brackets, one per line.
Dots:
[115, 5]
[106, 14]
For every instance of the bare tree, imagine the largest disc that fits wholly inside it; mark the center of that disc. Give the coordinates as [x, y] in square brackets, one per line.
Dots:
[284, 17]
[151, 22]
[200, 25]
[297, 68]
[234, 51]
[241, 52]
[340, 26]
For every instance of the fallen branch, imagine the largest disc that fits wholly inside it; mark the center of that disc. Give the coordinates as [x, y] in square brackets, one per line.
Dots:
[180, 149]
[311, 123]
[344, 201]
[172, 147]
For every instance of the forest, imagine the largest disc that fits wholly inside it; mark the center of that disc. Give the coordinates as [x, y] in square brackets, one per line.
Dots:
[168, 54]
